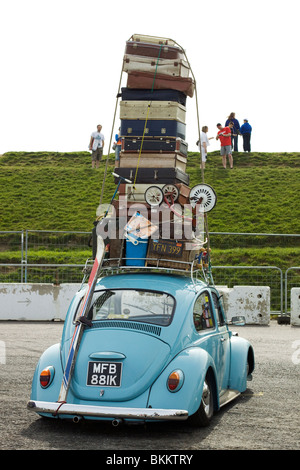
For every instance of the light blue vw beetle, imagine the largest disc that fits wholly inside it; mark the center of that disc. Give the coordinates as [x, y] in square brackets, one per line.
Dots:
[154, 347]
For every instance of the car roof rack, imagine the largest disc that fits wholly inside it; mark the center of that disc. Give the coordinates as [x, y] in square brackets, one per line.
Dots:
[124, 265]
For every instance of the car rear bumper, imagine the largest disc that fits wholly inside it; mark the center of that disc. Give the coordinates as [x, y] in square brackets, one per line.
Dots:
[106, 412]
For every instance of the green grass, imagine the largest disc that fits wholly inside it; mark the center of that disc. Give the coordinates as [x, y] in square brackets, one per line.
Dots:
[60, 191]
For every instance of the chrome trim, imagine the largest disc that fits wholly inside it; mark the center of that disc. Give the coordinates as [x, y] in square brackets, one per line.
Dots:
[109, 412]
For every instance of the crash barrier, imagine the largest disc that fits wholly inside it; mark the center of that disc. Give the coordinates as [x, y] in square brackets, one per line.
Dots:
[295, 306]
[35, 302]
[292, 281]
[48, 302]
[251, 302]
[270, 276]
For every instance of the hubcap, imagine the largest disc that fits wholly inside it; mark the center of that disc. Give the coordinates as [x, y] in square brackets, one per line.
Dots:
[206, 399]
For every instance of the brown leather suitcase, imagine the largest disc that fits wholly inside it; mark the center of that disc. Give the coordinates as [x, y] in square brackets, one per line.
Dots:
[184, 192]
[157, 82]
[161, 51]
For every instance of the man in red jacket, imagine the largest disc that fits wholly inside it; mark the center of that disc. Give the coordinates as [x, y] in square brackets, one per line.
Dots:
[224, 135]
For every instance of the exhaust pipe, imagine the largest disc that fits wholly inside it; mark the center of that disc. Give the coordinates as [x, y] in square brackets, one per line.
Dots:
[116, 422]
[76, 419]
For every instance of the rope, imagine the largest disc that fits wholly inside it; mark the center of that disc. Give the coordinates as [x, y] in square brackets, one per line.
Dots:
[146, 120]
[112, 128]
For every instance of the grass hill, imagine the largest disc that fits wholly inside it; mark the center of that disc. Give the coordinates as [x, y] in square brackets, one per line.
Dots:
[60, 191]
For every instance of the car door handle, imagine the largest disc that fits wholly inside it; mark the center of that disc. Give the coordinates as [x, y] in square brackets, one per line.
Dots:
[222, 339]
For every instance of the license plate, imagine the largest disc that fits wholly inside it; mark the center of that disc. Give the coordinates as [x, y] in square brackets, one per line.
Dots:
[165, 247]
[104, 374]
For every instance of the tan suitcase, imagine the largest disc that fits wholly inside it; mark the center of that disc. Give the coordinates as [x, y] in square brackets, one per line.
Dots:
[155, 110]
[153, 160]
[152, 39]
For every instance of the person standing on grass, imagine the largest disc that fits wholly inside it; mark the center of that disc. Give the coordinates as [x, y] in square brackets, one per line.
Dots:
[246, 130]
[204, 144]
[224, 135]
[96, 146]
[235, 131]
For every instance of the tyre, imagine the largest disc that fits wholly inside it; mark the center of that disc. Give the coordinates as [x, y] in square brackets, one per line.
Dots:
[205, 412]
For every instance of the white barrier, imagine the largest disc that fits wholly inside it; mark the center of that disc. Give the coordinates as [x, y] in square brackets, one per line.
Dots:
[251, 302]
[35, 302]
[295, 306]
[40, 302]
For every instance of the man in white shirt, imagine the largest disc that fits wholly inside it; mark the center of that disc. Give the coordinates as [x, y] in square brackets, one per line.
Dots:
[96, 146]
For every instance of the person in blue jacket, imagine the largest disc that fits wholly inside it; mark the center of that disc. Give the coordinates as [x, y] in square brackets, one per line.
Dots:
[235, 131]
[246, 130]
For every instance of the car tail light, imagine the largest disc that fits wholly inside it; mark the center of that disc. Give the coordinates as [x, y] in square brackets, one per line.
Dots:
[175, 380]
[46, 376]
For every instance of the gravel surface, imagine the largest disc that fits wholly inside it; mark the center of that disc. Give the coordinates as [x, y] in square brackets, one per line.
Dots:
[266, 416]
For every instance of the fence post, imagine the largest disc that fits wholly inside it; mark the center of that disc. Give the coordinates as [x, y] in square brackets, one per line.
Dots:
[286, 286]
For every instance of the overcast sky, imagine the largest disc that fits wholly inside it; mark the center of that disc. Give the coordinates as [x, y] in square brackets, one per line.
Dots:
[61, 63]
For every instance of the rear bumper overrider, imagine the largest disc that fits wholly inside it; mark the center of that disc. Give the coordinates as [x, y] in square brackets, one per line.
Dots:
[106, 412]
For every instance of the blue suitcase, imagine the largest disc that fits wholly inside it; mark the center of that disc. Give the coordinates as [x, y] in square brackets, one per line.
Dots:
[131, 94]
[152, 144]
[154, 128]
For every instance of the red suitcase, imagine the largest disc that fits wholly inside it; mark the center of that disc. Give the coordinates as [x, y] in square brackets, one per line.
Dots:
[159, 82]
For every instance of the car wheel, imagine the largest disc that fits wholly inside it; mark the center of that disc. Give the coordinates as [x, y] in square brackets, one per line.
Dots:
[205, 412]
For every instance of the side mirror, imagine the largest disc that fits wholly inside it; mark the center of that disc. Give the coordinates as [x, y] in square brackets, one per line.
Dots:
[238, 321]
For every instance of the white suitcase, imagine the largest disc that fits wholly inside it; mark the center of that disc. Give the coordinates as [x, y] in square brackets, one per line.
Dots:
[153, 160]
[153, 110]
[152, 39]
[173, 67]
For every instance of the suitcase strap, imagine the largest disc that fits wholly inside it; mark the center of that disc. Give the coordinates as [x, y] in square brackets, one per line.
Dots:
[146, 120]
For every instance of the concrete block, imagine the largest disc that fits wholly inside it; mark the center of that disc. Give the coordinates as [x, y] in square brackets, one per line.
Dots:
[252, 302]
[35, 302]
[295, 306]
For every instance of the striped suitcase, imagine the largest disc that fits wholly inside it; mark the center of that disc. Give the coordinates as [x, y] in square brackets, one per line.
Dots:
[153, 160]
[152, 144]
[129, 94]
[159, 81]
[153, 128]
[153, 50]
[175, 68]
[153, 175]
[162, 110]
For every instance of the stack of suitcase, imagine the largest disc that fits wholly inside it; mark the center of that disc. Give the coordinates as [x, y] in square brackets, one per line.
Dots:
[153, 130]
